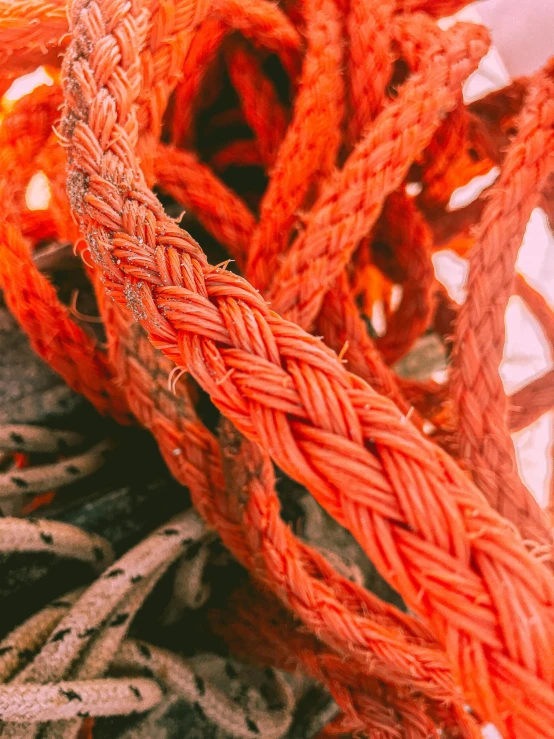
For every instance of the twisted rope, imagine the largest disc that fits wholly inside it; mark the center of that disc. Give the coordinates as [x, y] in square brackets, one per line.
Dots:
[191, 316]
[479, 396]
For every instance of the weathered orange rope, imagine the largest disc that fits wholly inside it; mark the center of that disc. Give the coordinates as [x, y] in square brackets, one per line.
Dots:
[488, 601]
[477, 387]
[345, 213]
[262, 109]
[172, 421]
[191, 315]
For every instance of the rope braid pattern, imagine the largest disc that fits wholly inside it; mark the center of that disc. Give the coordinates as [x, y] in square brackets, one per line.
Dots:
[164, 406]
[187, 309]
[289, 186]
[136, 379]
[377, 165]
[98, 619]
[479, 396]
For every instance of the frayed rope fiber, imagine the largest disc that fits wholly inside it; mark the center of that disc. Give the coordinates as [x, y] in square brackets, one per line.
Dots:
[346, 102]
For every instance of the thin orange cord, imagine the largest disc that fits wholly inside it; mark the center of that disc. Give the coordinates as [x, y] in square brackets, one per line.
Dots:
[478, 392]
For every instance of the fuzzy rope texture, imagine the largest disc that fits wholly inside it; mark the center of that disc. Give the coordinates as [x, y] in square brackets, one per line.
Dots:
[155, 414]
[195, 314]
[477, 387]
[153, 410]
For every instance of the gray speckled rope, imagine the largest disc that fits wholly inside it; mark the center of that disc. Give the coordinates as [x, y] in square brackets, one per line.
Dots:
[62, 539]
[185, 678]
[66, 699]
[93, 629]
[24, 641]
[93, 610]
[41, 478]
[25, 438]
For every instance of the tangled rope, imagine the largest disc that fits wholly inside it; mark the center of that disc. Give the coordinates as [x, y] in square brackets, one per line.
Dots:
[481, 586]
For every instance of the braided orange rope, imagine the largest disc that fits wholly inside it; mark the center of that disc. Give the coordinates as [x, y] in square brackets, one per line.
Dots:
[171, 442]
[191, 315]
[289, 186]
[378, 165]
[477, 387]
[156, 415]
[261, 107]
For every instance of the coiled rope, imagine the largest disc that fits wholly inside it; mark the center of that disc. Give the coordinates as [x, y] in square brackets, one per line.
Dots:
[486, 600]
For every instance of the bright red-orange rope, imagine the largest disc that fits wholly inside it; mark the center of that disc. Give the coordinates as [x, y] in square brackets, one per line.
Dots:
[456, 563]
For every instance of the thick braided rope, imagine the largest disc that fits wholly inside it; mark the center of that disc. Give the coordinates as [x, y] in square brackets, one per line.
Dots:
[172, 442]
[290, 649]
[379, 635]
[374, 634]
[194, 329]
[476, 385]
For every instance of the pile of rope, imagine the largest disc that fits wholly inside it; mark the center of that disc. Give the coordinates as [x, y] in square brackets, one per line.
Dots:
[318, 143]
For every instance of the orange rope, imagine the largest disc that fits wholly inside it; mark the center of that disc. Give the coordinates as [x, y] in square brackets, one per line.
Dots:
[484, 438]
[345, 212]
[336, 180]
[263, 379]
